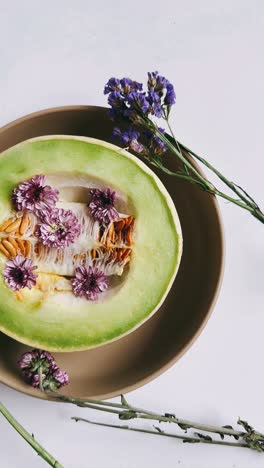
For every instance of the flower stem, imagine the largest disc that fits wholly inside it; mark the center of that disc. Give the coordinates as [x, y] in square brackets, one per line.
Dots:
[162, 433]
[125, 411]
[29, 438]
[204, 182]
[244, 201]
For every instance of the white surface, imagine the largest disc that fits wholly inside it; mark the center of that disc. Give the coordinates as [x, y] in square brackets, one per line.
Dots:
[62, 52]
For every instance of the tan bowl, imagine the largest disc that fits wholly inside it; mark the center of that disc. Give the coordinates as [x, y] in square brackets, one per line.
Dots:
[144, 354]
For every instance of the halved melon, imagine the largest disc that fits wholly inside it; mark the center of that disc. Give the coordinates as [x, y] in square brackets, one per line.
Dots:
[139, 251]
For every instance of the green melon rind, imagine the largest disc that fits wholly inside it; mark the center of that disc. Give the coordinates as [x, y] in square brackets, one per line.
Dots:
[17, 164]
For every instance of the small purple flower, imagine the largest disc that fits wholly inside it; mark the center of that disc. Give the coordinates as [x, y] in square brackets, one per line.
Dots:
[138, 102]
[170, 97]
[32, 360]
[19, 273]
[112, 85]
[37, 361]
[102, 205]
[157, 82]
[89, 282]
[129, 138]
[58, 228]
[128, 85]
[115, 100]
[155, 102]
[154, 143]
[149, 145]
[124, 86]
[161, 92]
[61, 377]
[33, 195]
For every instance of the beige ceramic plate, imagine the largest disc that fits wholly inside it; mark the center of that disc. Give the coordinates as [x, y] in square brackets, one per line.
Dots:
[142, 355]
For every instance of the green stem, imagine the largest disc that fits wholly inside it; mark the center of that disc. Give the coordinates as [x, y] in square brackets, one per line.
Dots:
[206, 184]
[29, 438]
[230, 184]
[138, 413]
[40, 379]
[163, 433]
[245, 202]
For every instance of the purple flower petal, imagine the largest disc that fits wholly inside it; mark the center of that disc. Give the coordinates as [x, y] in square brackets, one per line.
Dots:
[102, 205]
[138, 102]
[58, 228]
[160, 86]
[112, 85]
[130, 138]
[18, 273]
[33, 195]
[170, 97]
[61, 377]
[89, 282]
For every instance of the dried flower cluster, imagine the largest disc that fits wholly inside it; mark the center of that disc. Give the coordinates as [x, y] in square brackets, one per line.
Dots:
[130, 103]
[135, 111]
[57, 227]
[40, 370]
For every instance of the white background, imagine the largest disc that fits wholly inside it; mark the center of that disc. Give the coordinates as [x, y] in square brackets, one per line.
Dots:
[62, 52]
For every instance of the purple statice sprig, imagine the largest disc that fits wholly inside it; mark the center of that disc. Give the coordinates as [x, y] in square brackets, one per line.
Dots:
[145, 143]
[40, 370]
[130, 139]
[133, 105]
[34, 195]
[19, 273]
[89, 282]
[129, 101]
[102, 205]
[58, 228]
[161, 91]
[134, 110]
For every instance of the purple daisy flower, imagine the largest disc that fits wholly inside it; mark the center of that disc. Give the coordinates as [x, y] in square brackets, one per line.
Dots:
[58, 228]
[19, 273]
[33, 195]
[102, 205]
[89, 282]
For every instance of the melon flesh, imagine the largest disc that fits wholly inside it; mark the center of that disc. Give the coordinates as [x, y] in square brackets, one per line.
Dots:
[50, 316]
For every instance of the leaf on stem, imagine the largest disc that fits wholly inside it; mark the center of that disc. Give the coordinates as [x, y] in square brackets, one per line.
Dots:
[127, 415]
[124, 401]
[245, 425]
[158, 429]
[169, 415]
[191, 441]
[184, 427]
[203, 436]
